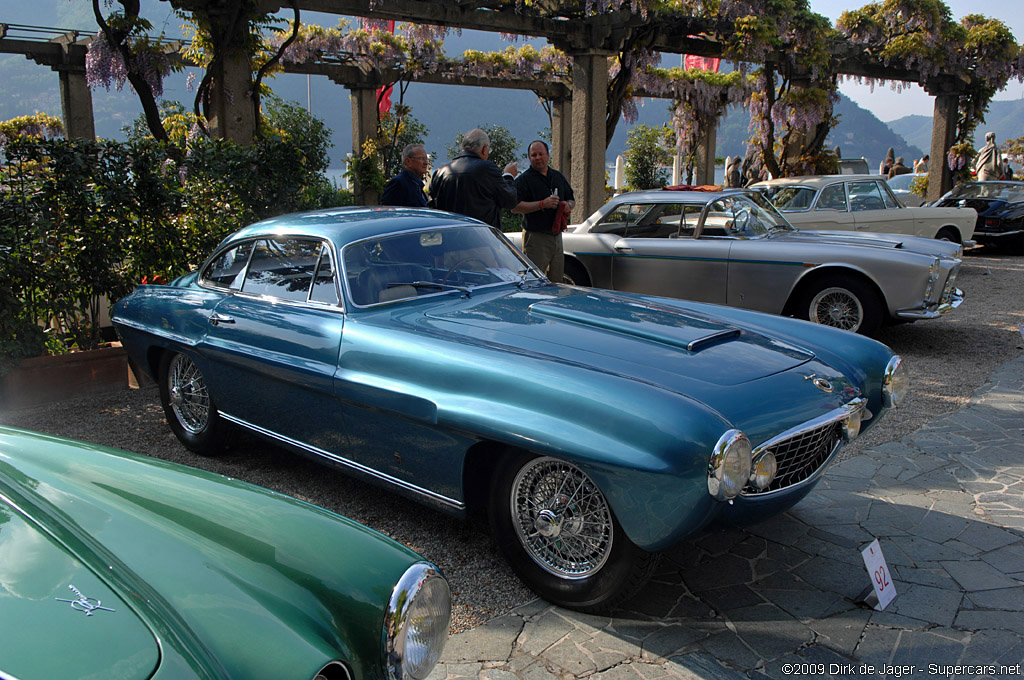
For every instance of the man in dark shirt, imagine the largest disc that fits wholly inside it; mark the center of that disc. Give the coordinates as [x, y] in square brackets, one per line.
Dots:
[406, 188]
[542, 190]
[472, 185]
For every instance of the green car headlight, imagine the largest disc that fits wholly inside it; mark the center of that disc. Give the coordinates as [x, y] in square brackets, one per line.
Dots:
[729, 466]
[895, 382]
[416, 623]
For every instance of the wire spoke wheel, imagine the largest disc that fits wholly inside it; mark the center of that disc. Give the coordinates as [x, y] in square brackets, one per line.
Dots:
[189, 396]
[836, 307]
[561, 518]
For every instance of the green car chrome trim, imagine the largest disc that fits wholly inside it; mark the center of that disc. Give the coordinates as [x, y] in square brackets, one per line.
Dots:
[698, 259]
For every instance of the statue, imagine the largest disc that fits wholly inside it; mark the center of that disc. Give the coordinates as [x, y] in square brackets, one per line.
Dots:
[989, 163]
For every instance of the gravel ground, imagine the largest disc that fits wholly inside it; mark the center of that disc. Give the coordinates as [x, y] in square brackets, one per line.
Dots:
[949, 359]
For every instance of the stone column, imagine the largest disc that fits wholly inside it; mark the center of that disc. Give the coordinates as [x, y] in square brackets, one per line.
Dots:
[940, 177]
[561, 136]
[230, 112]
[364, 128]
[76, 104]
[706, 156]
[589, 111]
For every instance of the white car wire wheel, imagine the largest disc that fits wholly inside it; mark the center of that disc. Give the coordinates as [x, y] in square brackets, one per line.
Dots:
[842, 302]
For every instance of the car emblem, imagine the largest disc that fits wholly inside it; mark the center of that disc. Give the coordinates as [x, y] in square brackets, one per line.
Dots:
[83, 603]
[823, 385]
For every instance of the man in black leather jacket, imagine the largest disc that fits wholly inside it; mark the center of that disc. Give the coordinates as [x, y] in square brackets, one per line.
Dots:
[472, 185]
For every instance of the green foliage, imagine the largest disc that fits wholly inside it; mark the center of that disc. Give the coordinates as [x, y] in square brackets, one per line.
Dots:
[81, 219]
[396, 129]
[505, 148]
[646, 153]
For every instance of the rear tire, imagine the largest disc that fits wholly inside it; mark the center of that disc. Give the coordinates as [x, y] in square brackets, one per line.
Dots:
[188, 406]
[842, 301]
[560, 536]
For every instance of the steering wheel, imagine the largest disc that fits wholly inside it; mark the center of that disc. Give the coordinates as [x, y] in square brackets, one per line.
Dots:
[455, 266]
[739, 222]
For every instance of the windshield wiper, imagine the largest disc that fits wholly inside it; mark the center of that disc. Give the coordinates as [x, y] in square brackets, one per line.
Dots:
[431, 284]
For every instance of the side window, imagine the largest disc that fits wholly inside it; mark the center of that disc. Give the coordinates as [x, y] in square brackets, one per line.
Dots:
[865, 196]
[661, 220]
[833, 197]
[324, 288]
[282, 268]
[619, 219]
[689, 215]
[225, 269]
[887, 198]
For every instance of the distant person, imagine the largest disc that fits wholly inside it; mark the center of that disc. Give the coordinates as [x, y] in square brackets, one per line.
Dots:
[888, 162]
[989, 163]
[1007, 169]
[406, 188]
[733, 177]
[898, 168]
[922, 165]
[472, 185]
[546, 199]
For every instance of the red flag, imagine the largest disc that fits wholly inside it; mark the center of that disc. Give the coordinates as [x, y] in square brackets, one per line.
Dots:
[692, 62]
[384, 93]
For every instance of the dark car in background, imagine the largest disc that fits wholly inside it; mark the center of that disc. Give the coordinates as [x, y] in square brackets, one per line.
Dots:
[1000, 208]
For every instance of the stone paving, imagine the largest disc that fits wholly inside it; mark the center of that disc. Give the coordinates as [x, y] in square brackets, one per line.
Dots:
[780, 599]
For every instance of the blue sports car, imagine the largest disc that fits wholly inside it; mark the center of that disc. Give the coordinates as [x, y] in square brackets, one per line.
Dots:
[420, 350]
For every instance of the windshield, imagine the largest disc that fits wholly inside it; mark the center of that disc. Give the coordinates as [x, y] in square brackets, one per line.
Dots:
[1005, 191]
[430, 262]
[790, 198]
[742, 216]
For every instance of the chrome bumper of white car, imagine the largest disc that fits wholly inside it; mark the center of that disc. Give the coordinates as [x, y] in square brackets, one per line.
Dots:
[950, 301]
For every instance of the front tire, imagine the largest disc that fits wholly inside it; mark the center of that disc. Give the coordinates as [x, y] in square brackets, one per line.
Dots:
[559, 534]
[188, 406]
[575, 274]
[842, 302]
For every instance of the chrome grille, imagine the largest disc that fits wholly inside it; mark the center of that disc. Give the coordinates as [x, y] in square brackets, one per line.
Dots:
[800, 456]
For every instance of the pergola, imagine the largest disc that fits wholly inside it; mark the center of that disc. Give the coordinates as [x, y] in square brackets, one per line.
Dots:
[578, 106]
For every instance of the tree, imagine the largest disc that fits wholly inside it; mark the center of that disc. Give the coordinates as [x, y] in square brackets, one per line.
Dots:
[505, 148]
[646, 153]
[396, 129]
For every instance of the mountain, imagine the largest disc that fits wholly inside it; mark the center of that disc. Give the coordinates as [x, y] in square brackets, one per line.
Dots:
[1005, 118]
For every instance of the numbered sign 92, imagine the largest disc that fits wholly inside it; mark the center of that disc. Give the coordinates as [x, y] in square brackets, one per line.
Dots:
[878, 570]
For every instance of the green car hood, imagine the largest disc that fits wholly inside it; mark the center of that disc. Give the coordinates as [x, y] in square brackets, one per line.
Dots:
[60, 620]
[211, 565]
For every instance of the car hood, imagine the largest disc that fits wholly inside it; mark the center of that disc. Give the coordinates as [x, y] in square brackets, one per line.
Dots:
[914, 244]
[646, 338]
[60, 620]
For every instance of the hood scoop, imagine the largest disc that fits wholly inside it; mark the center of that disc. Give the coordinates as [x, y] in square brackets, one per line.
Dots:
[640, 320]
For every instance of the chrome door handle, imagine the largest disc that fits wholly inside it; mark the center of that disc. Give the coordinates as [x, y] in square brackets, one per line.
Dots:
[623, 249]
[217, 319]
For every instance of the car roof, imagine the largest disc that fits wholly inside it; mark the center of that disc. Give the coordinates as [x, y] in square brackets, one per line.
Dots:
[815, 181]
[352, 223]
[673, 195]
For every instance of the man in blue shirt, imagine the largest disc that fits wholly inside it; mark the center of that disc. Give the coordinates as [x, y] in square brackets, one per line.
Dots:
[406, 188]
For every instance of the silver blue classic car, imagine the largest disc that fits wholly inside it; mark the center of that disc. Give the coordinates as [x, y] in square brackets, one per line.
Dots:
[420, 350]
[733, 248]
[117, 565]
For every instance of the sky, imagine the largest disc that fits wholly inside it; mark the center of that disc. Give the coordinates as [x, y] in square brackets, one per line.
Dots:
[889, 105]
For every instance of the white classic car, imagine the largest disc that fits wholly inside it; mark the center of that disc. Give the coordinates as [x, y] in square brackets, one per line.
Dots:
[863, 203]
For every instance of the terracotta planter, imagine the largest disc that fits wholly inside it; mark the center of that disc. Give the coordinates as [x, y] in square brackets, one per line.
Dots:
[46, 379]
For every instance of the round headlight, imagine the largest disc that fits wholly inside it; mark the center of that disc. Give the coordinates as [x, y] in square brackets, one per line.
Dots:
[729, 467]
[764, 470]
[895, 382]
[416, 623]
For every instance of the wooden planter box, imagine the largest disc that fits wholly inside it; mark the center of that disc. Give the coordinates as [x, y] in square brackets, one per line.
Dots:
[41, 380]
